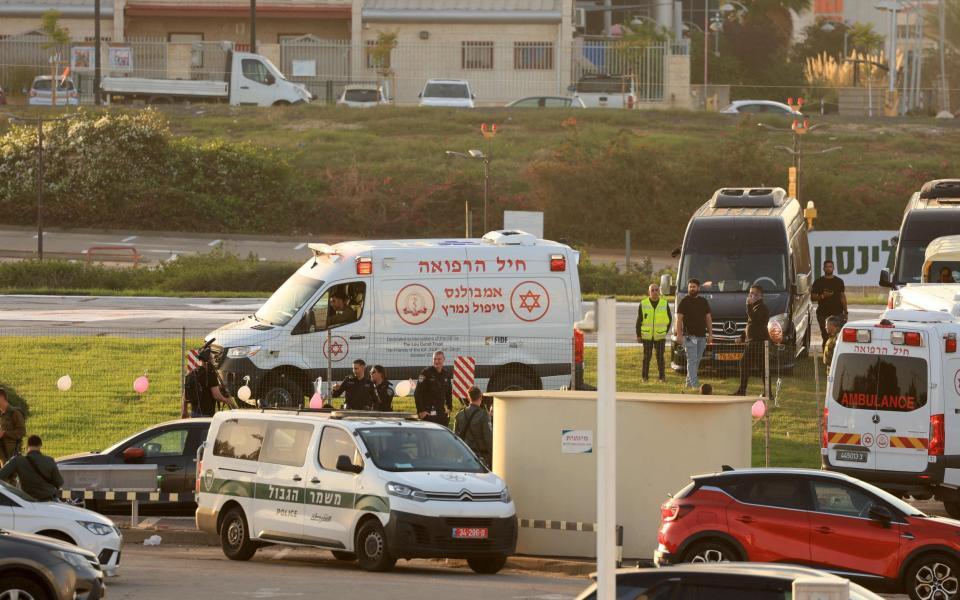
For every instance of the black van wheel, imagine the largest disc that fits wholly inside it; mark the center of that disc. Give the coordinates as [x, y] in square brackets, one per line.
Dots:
[235, 537]
[344, 556]
[933, 577]
[487, 565]
[953, 508]
[281, 392]
[372, 549]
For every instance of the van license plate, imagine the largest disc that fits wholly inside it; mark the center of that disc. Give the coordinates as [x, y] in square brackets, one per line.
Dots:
[471, 533]
[852, 455]
[729, 355]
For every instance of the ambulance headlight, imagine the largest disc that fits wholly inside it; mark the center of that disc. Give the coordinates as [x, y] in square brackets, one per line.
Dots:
[405, 491]
[242, 351]
[777, 327]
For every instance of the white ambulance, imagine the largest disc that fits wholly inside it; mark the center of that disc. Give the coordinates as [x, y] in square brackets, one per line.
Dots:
[508, 301]
[941, 297]
[892, 411]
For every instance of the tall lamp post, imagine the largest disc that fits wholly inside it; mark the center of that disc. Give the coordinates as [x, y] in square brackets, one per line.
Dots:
[489, 132]
[40, 122]
[799, 128]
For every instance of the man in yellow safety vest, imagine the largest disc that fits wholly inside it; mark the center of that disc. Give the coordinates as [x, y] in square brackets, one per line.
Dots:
[653, 323]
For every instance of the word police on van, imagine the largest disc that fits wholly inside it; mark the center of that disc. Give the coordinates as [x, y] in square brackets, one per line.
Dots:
[508, 300]
[372, 487]
[892, 413]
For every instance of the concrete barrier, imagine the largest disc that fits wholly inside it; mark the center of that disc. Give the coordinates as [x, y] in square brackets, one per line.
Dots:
[542, 447]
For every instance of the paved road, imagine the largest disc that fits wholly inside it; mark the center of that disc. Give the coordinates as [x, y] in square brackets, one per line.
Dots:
[27, 314]
[162, 572]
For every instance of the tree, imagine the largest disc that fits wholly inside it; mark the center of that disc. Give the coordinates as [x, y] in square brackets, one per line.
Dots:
[380, 57]
[57, 39]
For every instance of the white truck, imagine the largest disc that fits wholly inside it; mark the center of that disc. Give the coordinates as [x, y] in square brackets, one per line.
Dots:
[251, 80]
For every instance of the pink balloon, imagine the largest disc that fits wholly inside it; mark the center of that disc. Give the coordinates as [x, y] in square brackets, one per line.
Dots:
[140, 384]
[758, 409]
[316, 400]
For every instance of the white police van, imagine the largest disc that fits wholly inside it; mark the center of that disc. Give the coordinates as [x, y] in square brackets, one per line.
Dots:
[372, 487]
[508, 300]
[892, 410]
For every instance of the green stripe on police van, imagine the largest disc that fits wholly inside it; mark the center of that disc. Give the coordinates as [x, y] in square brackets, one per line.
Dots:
[297, 495]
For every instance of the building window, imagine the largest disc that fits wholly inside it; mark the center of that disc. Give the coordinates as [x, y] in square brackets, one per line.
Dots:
[196, 53]
[375, 62]
[533, 55]
[476, 55]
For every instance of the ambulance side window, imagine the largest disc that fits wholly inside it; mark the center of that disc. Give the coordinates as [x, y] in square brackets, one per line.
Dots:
[340, 305]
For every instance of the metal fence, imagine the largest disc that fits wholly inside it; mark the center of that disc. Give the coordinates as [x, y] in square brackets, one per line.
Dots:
[498, 71]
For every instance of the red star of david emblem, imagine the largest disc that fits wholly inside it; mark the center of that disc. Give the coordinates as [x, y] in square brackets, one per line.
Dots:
[530, 301]
[336, 348]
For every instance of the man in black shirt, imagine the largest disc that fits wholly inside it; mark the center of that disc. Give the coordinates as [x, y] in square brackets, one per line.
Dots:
[202, 391]
[694, 330]
[757, 316]
[830, 295]
[434, 393]
[383, 389]
[359, 389]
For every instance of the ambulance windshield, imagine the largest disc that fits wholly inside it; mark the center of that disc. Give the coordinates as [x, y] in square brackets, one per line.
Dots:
[288, 299]
[418, 449]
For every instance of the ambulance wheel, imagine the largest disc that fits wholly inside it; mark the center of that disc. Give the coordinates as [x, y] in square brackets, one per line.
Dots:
[932, 577]
[344, 556]
[281, 391]
[235, 537]
[953, 508]
[487, 565]
[372, 550]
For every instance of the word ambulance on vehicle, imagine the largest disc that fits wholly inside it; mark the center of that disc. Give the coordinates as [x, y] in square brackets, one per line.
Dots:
[892, 410]
[509, 301]
[370, 487]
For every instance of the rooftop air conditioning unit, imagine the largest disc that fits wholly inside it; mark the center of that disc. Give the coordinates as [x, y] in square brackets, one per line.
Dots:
[749, 198]
[510, 238]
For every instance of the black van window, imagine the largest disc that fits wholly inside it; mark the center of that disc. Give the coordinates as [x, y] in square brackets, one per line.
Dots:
[890, 383]
[240, 439]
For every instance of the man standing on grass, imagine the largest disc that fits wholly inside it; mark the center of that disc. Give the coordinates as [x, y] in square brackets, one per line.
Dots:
[653, 323]
[13, 429]
[756, 334]
[694, 330]
[830, 295]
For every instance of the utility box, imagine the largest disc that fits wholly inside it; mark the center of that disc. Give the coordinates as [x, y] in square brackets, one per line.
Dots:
[544, 447]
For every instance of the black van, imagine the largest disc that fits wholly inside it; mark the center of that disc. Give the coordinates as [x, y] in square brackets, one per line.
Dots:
[932, 212]
[742, 237]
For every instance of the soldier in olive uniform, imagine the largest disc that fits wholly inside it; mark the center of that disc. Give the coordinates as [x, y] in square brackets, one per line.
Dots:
[832, 327]
[434, 393]
[12, 429]
[360, 391]
[474, 428]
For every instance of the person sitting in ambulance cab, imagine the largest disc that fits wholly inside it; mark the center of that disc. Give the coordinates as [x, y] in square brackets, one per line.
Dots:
[946, 275]
[340, 310]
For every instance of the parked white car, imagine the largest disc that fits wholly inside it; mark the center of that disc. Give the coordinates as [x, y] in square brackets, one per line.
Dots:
[447, 93]
[78, 526]
[41, 92]
[362, 96]
[765, 107]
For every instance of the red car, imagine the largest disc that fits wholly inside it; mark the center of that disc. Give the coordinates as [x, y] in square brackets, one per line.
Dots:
[816, 518]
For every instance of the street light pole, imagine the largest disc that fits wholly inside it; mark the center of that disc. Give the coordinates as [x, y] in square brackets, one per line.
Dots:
[253, 26]
[706, 52]
[96, 53]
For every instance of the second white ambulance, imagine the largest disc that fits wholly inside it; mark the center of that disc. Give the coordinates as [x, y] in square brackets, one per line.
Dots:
[892, 412]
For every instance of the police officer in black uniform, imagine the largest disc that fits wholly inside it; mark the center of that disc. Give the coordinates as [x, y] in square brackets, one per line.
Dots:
[434, 393]
[382, 388]
[360, 392]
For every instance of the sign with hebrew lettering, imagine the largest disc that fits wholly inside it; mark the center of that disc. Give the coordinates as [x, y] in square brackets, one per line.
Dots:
[858, 256]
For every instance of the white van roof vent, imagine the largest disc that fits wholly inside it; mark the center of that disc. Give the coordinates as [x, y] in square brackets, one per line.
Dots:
[510, 237]
[941, 189]
[749, 198]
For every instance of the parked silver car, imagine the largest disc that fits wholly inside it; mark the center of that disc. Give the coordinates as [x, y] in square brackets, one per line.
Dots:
[41, 92]
[35, 568]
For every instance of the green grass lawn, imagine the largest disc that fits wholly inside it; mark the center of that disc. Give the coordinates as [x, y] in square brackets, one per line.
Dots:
[102, 407]
[794, 438]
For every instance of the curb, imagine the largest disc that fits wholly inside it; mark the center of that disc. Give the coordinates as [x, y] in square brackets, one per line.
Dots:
[193, 537]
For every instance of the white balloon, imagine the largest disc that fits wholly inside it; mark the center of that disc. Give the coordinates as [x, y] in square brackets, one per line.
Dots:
[64, 383]
[405, 388]
[244, 393]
